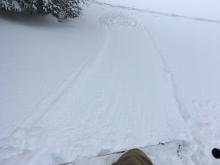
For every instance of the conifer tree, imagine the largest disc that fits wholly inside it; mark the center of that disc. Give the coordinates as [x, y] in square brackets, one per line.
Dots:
[61, 9]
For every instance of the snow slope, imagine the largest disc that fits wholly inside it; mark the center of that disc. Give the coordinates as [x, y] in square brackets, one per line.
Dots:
[205, 9]
[31, 72]
[114, 79]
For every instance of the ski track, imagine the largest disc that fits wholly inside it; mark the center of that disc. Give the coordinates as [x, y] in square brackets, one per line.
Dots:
[48, 102]
[27, 130]
[168, 71]
[173, 84]
[91, 68]
[181, 107]
[75, 77]
[157, 12]
[117, 64]
[197, 141]
[118, 71]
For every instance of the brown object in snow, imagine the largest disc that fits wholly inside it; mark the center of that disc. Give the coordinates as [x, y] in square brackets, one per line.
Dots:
[134, 157]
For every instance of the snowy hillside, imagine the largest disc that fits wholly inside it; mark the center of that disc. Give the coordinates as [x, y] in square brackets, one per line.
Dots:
[122, 75]
[206, 9]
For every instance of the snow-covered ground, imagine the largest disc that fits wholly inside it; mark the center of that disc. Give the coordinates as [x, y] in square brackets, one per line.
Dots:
[205, 9]
[122, 75]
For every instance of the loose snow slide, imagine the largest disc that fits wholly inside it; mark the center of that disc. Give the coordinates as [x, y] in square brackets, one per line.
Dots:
[108, 81]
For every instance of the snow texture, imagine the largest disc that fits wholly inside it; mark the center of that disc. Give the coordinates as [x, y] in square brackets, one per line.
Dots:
[116, 78]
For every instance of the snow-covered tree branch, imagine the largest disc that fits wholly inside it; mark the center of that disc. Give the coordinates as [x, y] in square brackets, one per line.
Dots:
[61, 9]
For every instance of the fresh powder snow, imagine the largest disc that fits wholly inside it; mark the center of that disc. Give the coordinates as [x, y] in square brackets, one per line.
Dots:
[124, 74]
